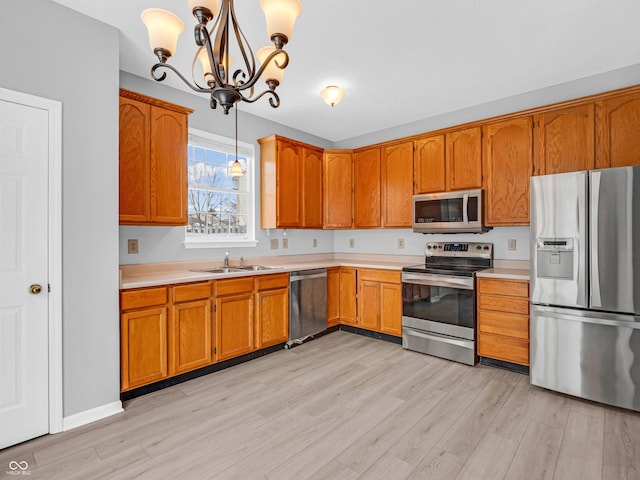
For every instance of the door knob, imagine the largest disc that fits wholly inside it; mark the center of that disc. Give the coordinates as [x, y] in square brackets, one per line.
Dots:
[35, 289]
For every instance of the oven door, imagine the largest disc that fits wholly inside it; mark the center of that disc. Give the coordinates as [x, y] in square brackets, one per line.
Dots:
[442, 304]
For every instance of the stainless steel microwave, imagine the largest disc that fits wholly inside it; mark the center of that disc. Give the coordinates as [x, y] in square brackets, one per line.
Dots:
[448, 212]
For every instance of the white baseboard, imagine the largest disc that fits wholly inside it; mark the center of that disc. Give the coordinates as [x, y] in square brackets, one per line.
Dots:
[88, 416]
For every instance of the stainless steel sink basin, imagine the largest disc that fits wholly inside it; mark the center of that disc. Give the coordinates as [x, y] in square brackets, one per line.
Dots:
[220, 270]
[256, 268]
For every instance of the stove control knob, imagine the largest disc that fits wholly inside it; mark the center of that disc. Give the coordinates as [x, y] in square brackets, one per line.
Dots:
[428, 247]
[486, 247]
[478, 247]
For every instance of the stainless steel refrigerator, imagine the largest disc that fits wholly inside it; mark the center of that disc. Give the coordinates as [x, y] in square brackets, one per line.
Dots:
[585, 284]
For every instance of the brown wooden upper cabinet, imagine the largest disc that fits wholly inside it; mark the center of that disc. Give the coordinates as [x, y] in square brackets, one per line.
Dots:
[367, 188]
[290, 184]
[153, 161]
[508, 164]
[397, 181]
[338, 188]
[428, 165]
[450, 161]
[564, 140]
[618, 131]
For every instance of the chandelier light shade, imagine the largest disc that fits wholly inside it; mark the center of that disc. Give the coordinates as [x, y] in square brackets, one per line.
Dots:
[217, 32]
[332, 95]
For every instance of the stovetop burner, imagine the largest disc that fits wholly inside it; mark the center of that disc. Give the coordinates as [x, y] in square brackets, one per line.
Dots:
[459, 258]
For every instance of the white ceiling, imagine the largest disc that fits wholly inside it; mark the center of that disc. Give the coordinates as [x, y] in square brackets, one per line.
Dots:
[406, 60]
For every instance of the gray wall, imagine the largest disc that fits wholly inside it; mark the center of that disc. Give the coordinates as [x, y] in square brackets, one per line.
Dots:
[68, 57]
[164, 244]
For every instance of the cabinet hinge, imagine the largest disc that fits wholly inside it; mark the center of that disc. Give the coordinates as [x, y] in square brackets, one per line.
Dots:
[215, 308]
[215, 350]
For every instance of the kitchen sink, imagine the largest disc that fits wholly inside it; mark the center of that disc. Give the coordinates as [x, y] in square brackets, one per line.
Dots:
[221, 270]
[256, 268]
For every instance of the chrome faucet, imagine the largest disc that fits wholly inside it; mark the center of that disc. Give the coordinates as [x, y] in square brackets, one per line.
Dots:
[226, 259]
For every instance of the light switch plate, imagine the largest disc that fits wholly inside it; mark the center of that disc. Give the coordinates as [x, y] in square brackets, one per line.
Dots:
[511, 244]
[315, 242]
[352, 243]
[274, 243]
[401, 243]
[285, 243]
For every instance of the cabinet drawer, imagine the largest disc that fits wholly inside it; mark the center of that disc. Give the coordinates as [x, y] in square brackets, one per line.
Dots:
[147, 297]
[193, 291]
[386, 276]
[234, 285]
[504, 304]
[268, 282]
[512, 350]
[500, 323]
[514, 288]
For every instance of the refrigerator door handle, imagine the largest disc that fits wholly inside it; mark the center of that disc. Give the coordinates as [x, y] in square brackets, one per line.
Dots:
[596, 298]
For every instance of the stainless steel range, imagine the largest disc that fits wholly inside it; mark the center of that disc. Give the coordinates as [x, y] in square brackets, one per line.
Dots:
[439, 300]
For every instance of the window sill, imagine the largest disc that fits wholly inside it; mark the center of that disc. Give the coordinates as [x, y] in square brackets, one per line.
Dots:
[228, 243]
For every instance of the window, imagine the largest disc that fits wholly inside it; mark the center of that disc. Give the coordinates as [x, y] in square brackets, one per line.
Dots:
[220, 207]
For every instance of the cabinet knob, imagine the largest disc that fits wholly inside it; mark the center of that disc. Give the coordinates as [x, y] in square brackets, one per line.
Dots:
[35, 289]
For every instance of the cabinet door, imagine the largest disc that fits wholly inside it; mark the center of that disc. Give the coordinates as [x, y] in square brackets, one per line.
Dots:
[143, 347]
[464, 159]
[428, 165]
[391, 309]
[397, 185]
[369, 304]
[135, 180]
[564, 140]
[366, 188]
[190, 336]
[348, 289]
[617, 131]
[288, 185]
[168, 167]
[272, 318]
[338, 190]
[333, 297]
[508, 164]
[234, 325]
[311, 195]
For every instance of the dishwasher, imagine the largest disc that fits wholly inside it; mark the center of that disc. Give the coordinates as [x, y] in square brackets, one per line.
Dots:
[307, 305]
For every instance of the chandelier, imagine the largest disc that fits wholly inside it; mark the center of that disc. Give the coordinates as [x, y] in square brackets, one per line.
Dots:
[226, 84]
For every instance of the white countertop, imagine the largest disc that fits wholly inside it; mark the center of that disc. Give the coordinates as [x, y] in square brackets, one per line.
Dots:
[507, 269]
[149, 275]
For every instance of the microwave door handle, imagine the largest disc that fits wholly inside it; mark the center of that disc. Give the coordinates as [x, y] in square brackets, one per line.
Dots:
[465, 206]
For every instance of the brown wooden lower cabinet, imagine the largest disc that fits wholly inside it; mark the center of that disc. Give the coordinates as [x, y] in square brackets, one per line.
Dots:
[272, 310]
[380, 301]
[170, 330]
[503, 320]
[143, 337]
[234, 317]
[190, 328]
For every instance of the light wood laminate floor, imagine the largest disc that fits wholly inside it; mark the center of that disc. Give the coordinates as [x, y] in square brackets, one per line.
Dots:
[347, 407]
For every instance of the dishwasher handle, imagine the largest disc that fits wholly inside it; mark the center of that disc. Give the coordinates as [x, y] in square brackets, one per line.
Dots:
[307, 275]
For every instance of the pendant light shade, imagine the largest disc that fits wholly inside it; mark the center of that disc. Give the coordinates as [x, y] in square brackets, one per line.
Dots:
[164, 28]
[281, 15]
[212, 5]
[332, 95]
[236, 169]
[271, 71]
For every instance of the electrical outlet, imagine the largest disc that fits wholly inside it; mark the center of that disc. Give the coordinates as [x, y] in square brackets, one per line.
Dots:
[132, 245]
[285, 243]
[511, 244]
[274, 243]
[352, 243]
[401, 243]
[315, 242]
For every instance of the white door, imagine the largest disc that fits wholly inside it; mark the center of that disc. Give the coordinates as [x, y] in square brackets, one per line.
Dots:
[24, 356]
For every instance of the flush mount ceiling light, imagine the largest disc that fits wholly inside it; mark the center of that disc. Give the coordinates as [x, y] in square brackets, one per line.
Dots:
[226, 84]
[332, 95]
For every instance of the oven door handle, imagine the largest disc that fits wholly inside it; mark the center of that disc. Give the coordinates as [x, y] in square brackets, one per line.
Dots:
[465, 283]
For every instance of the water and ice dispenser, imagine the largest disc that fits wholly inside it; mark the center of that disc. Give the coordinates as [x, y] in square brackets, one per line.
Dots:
[554, 258]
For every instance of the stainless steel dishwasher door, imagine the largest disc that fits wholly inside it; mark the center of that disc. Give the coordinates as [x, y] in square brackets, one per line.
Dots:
[307, 305]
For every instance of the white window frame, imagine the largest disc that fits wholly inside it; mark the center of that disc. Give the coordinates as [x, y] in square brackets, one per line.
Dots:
[247, 150]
